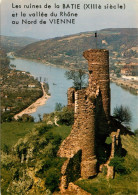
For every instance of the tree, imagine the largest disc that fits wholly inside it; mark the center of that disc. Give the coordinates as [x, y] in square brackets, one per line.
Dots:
[117, 71]
[6, 149]
[66, 116]
[122, 114]
[118, 163]
[58, 106]
[40, 118]
[78, 78]
[26, 118]
[136, 132]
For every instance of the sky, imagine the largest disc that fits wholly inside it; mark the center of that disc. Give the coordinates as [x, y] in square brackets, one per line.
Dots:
[89, 19]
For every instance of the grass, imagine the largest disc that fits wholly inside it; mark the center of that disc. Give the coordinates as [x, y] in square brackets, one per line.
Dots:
[44, 140]
[12, 131]
[121, 185]
[130, 143]
[6, 181]
[62, 130]
[126, 184]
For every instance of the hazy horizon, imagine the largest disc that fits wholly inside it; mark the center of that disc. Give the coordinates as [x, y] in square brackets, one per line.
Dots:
[61, 35]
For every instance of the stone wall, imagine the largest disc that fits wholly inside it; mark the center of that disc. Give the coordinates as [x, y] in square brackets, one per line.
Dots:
[116, 143]
[82, 136]
[116, 149]
[71, 97]
[92, 115]
[98, 66]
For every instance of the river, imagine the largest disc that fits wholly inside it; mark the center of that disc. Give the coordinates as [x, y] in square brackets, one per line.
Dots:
[58, 85]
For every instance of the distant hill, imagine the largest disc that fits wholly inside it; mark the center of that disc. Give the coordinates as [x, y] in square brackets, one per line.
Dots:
[67, 51]
[15, 43]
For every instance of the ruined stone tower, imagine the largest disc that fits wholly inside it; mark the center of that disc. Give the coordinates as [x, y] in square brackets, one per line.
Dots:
[92, 113]
[98, 66]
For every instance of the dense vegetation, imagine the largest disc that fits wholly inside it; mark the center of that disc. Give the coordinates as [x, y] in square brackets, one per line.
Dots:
[18, 89]
[64, 115]
[33, 156]
[123, 115]
[32, 159]
[125, 181]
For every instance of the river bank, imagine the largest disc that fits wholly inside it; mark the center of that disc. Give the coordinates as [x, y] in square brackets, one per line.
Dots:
[58, 86]
[43, 62]
[131, 86]
[126, 84]
[33, 107]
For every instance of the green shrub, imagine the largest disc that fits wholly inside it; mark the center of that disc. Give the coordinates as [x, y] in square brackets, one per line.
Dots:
[21, 149]
[108, 140]
[7, 117]
[16, 175]
[6, 149]
[49, 136]
[52, 179]
[57, 140]
[46, 164]
[58, 106]
[26, 118]
[66, 116]
[104, 170]
[43, 129]
[44, 143]
[122, 114]
[136, 132]
[51, 172]
[118, 163]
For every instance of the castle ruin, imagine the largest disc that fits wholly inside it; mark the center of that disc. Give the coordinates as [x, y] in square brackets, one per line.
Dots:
[91, 119]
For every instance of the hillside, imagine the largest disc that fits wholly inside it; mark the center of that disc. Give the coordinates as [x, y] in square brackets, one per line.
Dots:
[30, 165]
[67, 51]
[10, 44]
[125, 181]
[18, 89]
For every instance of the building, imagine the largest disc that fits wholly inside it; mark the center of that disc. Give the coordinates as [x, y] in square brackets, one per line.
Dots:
[130, 70]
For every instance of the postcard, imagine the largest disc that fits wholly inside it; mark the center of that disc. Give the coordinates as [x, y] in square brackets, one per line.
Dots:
[69, 96]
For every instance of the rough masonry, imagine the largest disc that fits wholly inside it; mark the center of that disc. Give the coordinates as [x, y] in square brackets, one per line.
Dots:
[92, 117]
